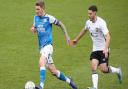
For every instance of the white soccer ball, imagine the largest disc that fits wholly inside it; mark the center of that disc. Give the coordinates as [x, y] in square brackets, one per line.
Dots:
[29, 85]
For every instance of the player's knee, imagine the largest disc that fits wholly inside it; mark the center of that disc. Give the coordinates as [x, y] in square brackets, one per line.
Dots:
[94, 71]
[94, 67]
[42, 61]
[41, 64]
[54, 72]
[104, 70]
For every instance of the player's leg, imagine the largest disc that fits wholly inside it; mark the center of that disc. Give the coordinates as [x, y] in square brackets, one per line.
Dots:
[42, 63]
[60, 75]
[51, 66]
[109, 69]
[57, 73]
[94, 64]
[104, 68]
[118, 71]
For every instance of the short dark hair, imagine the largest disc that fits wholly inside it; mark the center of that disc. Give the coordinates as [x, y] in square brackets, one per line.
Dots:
[93, 8]
[40, 3]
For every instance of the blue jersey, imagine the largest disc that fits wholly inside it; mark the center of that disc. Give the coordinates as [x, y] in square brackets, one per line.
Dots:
[43, 25]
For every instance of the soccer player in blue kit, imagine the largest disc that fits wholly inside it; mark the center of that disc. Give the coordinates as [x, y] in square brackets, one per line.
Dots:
[42, 25]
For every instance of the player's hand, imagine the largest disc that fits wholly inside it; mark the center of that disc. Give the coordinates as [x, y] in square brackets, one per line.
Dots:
[33, 29]
[73, 42]
[105, 51]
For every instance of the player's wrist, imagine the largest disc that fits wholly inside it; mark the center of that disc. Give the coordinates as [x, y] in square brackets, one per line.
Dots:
[75, 41]
[106, 50]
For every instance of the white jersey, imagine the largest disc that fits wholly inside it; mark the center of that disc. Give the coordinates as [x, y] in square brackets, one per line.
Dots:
[98, 30]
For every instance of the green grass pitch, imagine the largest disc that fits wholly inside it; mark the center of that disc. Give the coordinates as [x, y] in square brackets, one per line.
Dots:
[19, 52]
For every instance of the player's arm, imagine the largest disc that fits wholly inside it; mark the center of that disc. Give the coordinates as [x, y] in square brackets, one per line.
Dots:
[63, 28]
[33, 29]
[107, 43]
[53, 20]
[107, 37]
[80, 35]
[107, 40]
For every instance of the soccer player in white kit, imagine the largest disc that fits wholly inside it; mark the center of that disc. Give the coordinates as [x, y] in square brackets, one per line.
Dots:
[101, 40]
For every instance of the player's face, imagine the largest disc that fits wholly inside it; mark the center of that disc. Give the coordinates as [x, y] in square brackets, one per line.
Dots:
[92, 15]
[39, 11]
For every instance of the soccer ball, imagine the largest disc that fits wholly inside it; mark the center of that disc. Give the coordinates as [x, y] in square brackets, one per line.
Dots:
[29, 85]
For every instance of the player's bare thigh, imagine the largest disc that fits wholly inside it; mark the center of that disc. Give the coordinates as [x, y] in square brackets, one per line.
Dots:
[42, 61]
[94, 64]
[52, 69]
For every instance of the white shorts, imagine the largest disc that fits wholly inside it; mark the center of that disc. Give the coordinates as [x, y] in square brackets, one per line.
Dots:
[47, 52]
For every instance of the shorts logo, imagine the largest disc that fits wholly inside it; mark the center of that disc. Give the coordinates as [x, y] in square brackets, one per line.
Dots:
[104, 59]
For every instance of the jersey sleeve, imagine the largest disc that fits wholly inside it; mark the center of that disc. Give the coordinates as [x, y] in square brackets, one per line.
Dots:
[86, 26]
[104, 28]
[53, 20]
[34, 21]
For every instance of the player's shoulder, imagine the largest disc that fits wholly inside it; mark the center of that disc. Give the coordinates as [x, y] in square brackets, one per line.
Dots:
[36, 16]
[100, 20]
[49, 16]
[88, 21]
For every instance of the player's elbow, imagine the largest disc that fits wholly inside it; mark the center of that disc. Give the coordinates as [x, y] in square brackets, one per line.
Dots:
[108, 36]
[60, 23]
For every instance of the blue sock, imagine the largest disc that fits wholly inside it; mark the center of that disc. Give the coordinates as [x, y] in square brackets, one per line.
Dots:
[42, 76]
[62, 76]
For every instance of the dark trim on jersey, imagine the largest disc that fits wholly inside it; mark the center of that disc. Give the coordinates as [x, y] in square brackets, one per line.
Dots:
[104, 37]
[45, 45]
[56, 22]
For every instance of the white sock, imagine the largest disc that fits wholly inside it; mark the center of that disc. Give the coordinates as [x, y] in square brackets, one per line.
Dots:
[95, 80]
[42, 85]
[68, 80]
[114, 70]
